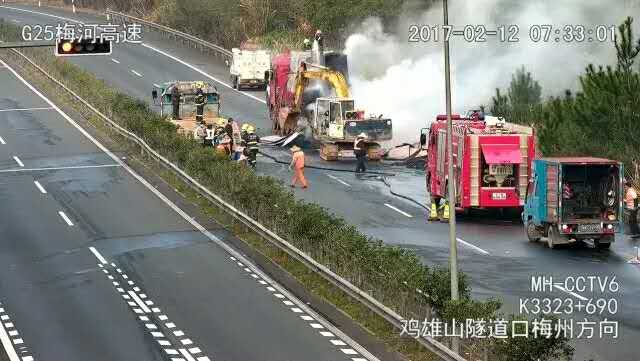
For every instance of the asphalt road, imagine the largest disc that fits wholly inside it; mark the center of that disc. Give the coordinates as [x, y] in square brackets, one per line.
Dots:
[94, 265]
[492, 251]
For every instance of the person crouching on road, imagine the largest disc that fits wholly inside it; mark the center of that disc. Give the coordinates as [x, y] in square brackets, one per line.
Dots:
[360, 150]
[298, 164]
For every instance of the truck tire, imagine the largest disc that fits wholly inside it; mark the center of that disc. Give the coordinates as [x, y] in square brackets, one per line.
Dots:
[554, 237]
[604, 242]
[532, 232]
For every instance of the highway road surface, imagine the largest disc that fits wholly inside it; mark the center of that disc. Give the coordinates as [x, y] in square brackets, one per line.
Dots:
[493, 252]
[96, 264]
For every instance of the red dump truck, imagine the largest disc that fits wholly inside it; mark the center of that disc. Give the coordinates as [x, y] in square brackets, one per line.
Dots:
[491, 160]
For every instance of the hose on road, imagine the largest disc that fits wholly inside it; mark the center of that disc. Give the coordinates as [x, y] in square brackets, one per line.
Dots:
[381, 176]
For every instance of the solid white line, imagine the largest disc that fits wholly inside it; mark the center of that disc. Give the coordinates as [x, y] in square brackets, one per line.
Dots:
[201, 72]
[24, 109]
[338, 180]
[18, 161]
[98, 255]
[39, 13]
[8, 345]
[115, 61]
[66, 219]
[60, 168]
[194, 223]
[2, 141]
[139, 302]
[136, 73]
[472, 246]
[186, 354]
[397, 210]
[571, 293]
[40, 187]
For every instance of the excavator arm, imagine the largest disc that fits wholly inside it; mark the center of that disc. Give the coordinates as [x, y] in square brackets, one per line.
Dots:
[336, 79]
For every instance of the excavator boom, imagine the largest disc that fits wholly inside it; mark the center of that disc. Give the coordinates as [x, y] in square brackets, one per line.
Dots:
[336, 79]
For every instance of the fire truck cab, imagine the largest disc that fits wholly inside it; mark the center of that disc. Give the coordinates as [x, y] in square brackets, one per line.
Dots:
[491, 161]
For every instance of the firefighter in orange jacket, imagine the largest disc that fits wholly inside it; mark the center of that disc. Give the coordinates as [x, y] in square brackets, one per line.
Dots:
[297, 163]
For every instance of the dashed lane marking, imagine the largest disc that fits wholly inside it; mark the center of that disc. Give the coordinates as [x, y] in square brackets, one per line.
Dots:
[136, 73]
[98, 255]
[2, 141]
[66, 219]
[24, 109]
[398, 210]
[338, 180]
[18, 161]
[153, 320]
[460, 240]
[313, 322]
[9, 337]
[40, 187]
[115, 61]
[59, 168]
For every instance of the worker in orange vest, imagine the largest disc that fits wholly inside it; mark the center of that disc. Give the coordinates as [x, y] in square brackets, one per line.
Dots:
[298, 163]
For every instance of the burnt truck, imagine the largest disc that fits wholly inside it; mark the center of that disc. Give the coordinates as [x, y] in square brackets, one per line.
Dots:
[574, 199]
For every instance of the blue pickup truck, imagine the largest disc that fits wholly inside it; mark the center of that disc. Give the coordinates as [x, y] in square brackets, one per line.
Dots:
[574, 199]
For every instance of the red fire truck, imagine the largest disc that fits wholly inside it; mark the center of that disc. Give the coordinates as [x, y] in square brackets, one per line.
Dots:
[491, 160]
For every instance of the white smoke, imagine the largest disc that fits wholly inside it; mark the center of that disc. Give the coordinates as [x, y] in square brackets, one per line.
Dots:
[405, 81]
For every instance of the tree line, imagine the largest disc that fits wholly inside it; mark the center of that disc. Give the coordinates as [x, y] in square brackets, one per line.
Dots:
[600, 119]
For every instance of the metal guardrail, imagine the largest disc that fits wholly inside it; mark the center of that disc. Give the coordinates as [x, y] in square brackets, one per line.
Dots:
[388, 314]
[176, 33]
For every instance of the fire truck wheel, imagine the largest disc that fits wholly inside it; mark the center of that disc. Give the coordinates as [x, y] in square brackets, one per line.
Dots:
[532, 232]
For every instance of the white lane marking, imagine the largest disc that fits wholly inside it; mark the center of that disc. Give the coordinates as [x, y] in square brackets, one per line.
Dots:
[2, 141]
[201, 72]
[178, 333]
[8, 346]
[40, 187]
[571, 293]
[398, 210]
[338, 343]
[186, 354]
[170, 325]
[186, 342]
[139, 302]
[59, 168]
[316, 325]
[195, 350]
[98, 255]
[472, 246]
[196, 224]
[136, 73]
[24, 109]
[16, 21]
[18, 161]
[327, 334]
[66, 219]
[115, 61]
[349, 351]
[156, 85]
[338, 180]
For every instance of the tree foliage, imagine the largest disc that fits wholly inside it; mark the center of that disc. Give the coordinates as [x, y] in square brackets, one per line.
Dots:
[522, 102]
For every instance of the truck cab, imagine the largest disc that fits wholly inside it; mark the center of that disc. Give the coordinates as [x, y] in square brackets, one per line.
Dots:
[574, 199]
[337, 119]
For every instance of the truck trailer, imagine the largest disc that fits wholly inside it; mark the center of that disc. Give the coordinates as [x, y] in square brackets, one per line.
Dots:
[247, 68]
[491, 161]
[574, 199]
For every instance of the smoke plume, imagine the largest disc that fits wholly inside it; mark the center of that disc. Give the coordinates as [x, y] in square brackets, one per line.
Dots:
[405, 80]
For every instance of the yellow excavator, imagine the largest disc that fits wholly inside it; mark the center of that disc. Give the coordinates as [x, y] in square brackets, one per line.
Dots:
[317, 103]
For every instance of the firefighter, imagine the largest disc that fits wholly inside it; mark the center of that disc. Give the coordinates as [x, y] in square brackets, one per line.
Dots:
[360, 150]
[297, 162]
[243, 132]
[175, 100]
[218, 131]
[200, 101]
[251, 146]
[229, 128]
